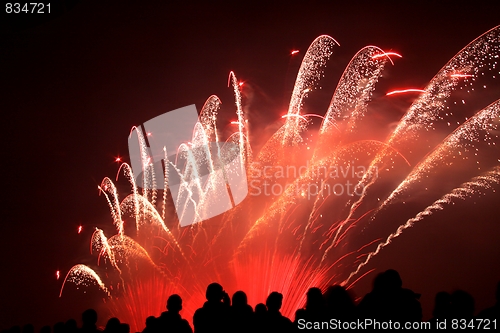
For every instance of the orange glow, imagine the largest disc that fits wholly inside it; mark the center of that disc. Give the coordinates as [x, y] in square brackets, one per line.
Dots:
[294, 52]
[404, 91]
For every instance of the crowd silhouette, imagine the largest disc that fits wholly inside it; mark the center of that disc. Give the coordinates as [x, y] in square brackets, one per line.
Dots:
[388, 302]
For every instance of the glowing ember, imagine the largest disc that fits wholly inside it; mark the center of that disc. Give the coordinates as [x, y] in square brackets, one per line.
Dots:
[461, 75]
[403, 91]
[386, 54]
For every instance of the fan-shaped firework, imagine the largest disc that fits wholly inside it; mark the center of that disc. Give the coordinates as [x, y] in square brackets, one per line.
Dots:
[311, 216]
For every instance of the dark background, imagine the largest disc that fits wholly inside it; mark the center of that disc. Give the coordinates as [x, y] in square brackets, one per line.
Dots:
[75, 81]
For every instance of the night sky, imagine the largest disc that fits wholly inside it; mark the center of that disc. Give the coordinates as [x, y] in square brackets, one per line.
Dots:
[75, 81]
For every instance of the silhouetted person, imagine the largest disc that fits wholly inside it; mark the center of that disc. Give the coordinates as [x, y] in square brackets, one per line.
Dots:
[46, 329]
[70, 326]
[462, 305]
[59, 327]
[241, 314]
[152, 325]
[89, 320]
[339, 304]
[261, 309]
[171, 320]
[112, 326]
[442, 308]
[213, 316]
[260, 316]
[493, 312]
[275, 321]
[314, 309]
[389, 301]
[124, 328]
[28, 328]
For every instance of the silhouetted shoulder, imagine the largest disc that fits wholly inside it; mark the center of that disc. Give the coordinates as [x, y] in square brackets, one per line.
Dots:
[214, 315]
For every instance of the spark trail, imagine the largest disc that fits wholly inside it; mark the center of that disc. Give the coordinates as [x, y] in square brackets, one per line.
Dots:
[481, 128]
[83, 275]
[464, 191]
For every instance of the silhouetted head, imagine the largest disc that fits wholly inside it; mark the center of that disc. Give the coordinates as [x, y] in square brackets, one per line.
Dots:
[113, 325]
[59, 327]
[28, 328]
[274, 301]
[442, 304]
[150, 321]
[89, 317]
[462, 304]
[314, 298]
[124, 328]
[388, 280]
[392, 279]
[260, 309]
[214, 292]
[337, 297]
[240, 298]
[174, 303]
[15, 329]
[70, 326]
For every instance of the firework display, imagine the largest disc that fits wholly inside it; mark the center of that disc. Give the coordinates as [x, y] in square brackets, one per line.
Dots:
[311, 215]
